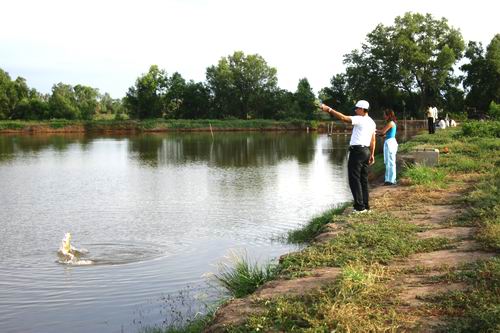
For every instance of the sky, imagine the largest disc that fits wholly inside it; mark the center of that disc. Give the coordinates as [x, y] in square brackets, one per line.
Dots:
[108, 44]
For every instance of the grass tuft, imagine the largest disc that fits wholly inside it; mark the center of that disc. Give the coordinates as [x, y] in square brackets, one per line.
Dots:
[242, 277]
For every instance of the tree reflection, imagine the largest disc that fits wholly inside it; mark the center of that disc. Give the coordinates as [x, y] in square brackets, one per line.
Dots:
[242, 149]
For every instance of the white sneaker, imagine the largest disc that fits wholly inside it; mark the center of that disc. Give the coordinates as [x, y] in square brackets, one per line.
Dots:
[360, 211]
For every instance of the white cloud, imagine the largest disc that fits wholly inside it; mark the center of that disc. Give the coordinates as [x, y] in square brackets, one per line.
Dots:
[108, 44]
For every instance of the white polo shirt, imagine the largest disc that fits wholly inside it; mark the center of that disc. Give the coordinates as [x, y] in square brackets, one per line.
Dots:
[362, 132]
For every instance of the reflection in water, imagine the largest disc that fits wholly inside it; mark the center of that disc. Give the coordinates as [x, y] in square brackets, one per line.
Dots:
[225, 150]
[12, 145]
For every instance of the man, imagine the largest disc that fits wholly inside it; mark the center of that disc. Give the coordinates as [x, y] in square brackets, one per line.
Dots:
[361, 151]
[431, 118]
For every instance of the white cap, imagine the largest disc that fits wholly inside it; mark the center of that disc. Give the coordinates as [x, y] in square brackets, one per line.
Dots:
[363, 104]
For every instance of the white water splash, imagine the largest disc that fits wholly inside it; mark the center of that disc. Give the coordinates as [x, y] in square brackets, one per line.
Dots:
[70, 255]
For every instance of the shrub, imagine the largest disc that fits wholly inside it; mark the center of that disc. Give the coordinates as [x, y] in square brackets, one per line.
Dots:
[481, 129]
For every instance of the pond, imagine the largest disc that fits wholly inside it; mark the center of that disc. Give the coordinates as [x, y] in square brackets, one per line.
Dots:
[155, 212]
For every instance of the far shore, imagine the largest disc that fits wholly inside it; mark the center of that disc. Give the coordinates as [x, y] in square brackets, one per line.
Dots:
[162, 125]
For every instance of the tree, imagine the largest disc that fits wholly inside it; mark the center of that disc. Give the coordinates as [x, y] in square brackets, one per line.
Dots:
[174, 96]
[242, 86]
[415, 55]
[146, 98]
[305, 99]
[482, 75]
[337, 95]
[86, 100]
[5, 94]
[63, 102]
[196, 101]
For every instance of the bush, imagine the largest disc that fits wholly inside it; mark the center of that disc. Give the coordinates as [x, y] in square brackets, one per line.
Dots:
[494, 111]
[481, 129]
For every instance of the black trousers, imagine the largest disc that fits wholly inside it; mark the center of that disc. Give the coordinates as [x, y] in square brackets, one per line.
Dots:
[358, 176]
[430, 125]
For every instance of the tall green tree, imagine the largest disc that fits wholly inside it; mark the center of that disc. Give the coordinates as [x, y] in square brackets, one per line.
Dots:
[305, 99]
[482, 75]
[6, 89]
[337, 95]
[86, 100]
[174, 95]
[146, 98]
[415, 55]
[242, 86]
[63, 103]
[195, 102]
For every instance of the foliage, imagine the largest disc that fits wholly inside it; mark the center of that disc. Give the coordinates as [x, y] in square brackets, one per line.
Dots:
[482, 79]
[494, 111]
[147, 98]
[242, 86]
[481, 129]
[305, 99]
[416, 56]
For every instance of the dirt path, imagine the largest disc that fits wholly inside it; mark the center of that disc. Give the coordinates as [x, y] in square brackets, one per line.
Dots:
[434, 211]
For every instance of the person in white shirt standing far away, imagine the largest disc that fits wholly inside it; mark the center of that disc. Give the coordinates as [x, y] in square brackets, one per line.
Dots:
[361, 151]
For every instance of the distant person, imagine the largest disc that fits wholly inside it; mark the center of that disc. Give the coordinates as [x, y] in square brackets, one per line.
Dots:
[361, 151]
[390, 146]
[430, 119]
[453, 123]
[441, 124]
[435, 113]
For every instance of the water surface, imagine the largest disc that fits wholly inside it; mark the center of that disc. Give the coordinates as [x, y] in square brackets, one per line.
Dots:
[156, 213]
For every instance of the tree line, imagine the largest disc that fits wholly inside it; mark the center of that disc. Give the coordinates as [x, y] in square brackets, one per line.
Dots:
[405, 66]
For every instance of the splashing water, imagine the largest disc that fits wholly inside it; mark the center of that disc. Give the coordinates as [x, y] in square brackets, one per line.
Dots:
[70, 255]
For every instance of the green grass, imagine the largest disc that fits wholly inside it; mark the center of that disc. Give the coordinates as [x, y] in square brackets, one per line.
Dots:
[476, 309]
[369, 238]
[358, 301]
[424, 175]
[242, 277]
[12, 124]
[194, 326]
[315, 226]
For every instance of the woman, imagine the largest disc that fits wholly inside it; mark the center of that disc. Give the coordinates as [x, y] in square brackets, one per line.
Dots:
[390, 147]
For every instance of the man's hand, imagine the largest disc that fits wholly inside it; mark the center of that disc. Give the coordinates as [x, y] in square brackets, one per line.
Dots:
[324, 108]
[371, 160]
